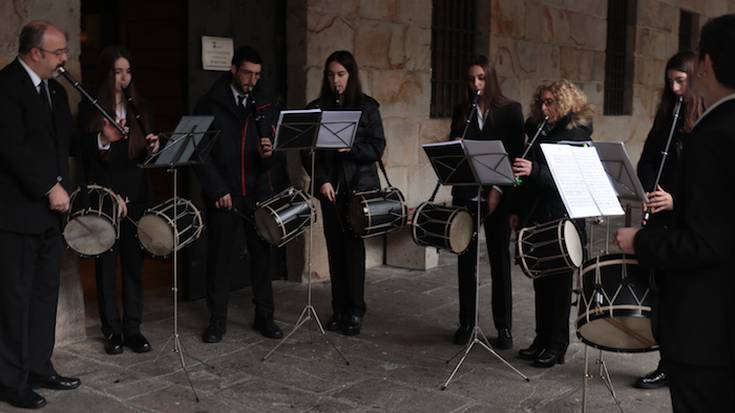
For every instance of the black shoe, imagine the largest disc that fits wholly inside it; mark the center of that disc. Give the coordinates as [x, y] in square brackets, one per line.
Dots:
[268, 328]
[504, 341]
[137, 342]
[26, 399]
[549, 358]
[531, 352]
[114, 343]
[54, 382]
[652, 380]
[462, 335]
[352, 325]
[335, 323]
[215, 331]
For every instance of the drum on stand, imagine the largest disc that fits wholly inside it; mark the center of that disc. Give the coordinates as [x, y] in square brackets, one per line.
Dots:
[92, 230]
[377, 212]
[439, 226]
[158, 228]
[549, 248]
[615, 305]
[284, 216]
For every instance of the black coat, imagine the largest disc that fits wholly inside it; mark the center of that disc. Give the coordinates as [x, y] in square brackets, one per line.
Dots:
[538, 199]
[503, 123]
[696, 315]
[234, 165]
[355, 169]
[34, 151]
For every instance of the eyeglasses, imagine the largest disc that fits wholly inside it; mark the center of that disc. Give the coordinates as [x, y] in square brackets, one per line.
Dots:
[57, 52]
[547, 102]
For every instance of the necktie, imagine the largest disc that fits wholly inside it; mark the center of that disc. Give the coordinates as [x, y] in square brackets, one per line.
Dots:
[43, 91]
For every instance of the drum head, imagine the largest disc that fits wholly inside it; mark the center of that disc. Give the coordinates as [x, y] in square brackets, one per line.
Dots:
[460, 231]
[156, 235]
[89, 235]
[574, 243]
[267, 226]
[628, 332]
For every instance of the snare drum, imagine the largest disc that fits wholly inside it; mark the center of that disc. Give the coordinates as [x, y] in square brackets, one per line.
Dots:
[377, 212]
[159, 229]
[284, 216]
[615, 305]
[443, 227]
[550, 248]
[93, 230]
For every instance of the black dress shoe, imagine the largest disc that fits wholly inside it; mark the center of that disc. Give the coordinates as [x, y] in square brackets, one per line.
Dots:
[352, 326]
[268, 328]
[137, 342]
[549, 358]
[26, 399]
[462, 335]
[214, 333]
[55, 382]
[531, 352]
[114, 344]
[504, 341]
[652, 380]
[335, 323]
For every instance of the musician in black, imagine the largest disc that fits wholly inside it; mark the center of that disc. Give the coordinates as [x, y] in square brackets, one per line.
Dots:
[496, 117]
[337, 175]
[236, 176]
[677, 77]
[695, 291]
[569, 119]
[114, 165]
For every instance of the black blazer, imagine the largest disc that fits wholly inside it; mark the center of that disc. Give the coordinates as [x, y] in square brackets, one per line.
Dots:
[356, 170]
[34, 151]
[503, 123]
[696, 315]
[235, 151]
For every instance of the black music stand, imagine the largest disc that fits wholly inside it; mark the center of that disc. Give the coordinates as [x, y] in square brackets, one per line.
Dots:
[182, 149]
[312, 130]
[473, 163]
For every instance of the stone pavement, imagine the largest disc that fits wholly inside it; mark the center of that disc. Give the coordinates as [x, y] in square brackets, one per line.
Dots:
[396, 365]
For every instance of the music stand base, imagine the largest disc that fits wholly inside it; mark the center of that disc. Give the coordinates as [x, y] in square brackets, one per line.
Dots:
[603, 375]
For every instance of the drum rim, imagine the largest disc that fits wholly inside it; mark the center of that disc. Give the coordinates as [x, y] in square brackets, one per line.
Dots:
[455, 213]
[113, 220]
[153, 211]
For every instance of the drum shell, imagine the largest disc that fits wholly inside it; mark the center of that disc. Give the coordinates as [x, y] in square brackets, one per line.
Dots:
[92, 229]
[160, 231]
[284, 216]
[439, 226]
[550, 248]
[614, 311]
[374, 213]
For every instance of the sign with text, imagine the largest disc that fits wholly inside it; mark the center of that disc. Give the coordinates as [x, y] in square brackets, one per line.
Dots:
[216, 53]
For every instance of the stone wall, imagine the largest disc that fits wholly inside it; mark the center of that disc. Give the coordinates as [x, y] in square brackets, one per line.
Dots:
[65, 14]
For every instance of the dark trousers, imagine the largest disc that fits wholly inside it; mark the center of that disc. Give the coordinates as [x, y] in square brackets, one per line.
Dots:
[701, 389]
[29, 277]
[346, 253]
[131, 260]
[497, 235]
[553, 294]
[226, 231]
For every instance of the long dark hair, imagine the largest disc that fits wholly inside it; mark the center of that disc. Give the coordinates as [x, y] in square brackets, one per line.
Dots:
[692, 107]
[106, 96]
[352, 95]
[492, 97]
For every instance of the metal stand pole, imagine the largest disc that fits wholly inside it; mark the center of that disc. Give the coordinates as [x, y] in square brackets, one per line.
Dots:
[603, 374]
[477, 336]
[308, 313]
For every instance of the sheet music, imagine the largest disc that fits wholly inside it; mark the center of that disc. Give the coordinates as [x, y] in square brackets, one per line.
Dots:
[582, 181]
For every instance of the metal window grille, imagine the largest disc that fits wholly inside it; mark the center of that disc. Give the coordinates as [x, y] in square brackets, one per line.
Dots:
[453, 37]
[618, 57]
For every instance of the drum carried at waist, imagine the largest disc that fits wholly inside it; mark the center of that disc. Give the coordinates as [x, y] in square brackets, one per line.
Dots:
[161, 230]
[284, 216]
[377, 212]
[93, 229]
[549, 248]
[449, 228]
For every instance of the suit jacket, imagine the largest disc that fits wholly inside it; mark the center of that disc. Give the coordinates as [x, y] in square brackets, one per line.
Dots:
[696, 316]
[34, 151]
[503, 123]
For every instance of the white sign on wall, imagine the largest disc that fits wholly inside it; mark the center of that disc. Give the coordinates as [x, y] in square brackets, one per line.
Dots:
[216, 53]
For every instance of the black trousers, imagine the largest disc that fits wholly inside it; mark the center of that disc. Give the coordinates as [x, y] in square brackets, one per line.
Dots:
[701, 389]
[226, 232]
[131, 261]
[553, 294]
[497, 236]
[346, 253]
[29, 277]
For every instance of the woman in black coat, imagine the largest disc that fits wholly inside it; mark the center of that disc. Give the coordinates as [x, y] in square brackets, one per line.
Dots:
[569, 119]
[113, 164]
[337, 175]
[496, 118]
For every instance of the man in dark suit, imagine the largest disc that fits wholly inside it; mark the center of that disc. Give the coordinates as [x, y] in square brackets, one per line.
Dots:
[234, 179]
[696, 317]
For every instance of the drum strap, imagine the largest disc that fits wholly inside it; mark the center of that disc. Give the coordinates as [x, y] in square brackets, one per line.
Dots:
[382, 169]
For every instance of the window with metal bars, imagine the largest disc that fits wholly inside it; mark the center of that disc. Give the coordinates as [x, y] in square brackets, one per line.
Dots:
[688, 24]
[453, 38]
[619, 57]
